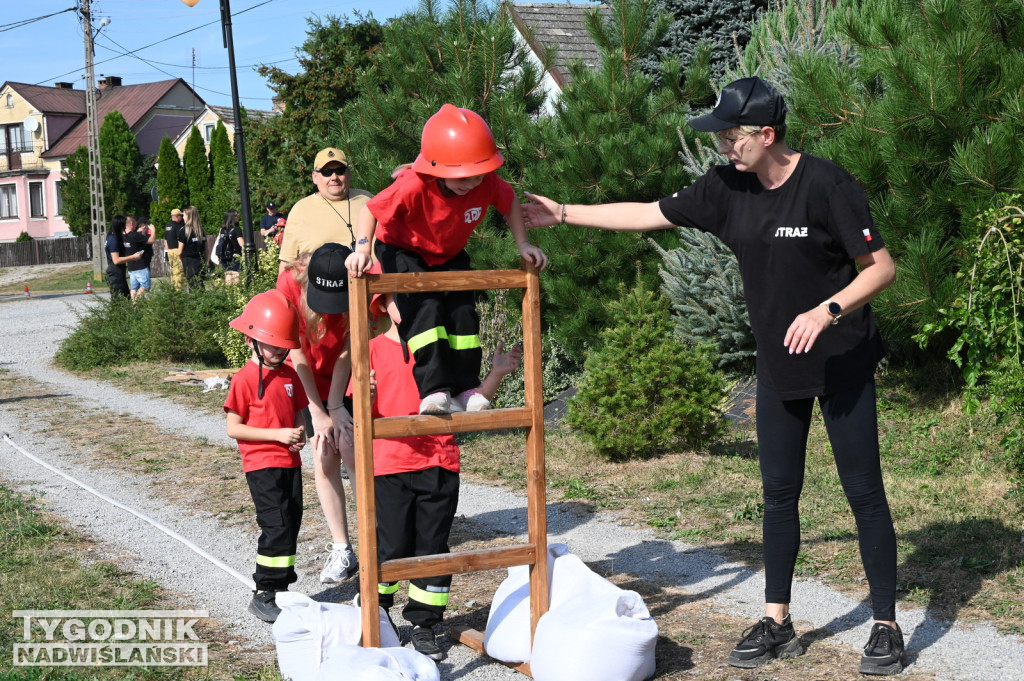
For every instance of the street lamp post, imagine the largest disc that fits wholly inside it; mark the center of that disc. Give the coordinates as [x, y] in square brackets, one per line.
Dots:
[243, 172]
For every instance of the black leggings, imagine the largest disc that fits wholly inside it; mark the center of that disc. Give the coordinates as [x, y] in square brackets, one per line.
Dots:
[852, 424]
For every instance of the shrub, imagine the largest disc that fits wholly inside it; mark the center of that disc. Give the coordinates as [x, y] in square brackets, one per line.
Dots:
[166, 325]
[1006, 389]
[986, 316]
[105, 336]
[22, 238]
[643, 390]
[264, 278]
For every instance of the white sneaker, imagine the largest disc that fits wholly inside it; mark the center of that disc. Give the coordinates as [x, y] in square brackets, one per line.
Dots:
[341, 564]
[436, 403]
[473, 400]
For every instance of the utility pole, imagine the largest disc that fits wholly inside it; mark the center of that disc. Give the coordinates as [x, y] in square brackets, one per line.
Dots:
[97, 212]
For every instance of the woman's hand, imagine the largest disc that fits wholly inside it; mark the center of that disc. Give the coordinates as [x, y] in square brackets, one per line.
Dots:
[542, 212]
[342, 421]
[805, 329]
[323, 430]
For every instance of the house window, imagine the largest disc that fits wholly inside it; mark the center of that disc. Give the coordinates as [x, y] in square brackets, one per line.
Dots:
[36, 206]
[58, 195]
[208, 132]
[8, 201]
[10, 101]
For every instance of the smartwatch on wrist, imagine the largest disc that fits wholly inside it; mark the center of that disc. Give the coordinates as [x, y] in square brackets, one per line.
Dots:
[834, 309]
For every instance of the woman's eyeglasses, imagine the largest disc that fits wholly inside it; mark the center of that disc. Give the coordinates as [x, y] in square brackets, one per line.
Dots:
[327, 172]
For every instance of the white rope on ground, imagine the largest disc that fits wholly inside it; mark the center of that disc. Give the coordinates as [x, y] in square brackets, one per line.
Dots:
[249, 584]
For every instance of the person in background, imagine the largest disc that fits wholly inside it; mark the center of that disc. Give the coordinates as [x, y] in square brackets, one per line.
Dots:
[117, 275]
[232, 248]
[171, 248]
[263, 406]
[811, 259]
[192, 247]
[136, 238]
[330, 214]
[269, 223]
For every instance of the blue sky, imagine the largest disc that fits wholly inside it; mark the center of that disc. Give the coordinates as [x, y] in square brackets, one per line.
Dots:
[52, 49]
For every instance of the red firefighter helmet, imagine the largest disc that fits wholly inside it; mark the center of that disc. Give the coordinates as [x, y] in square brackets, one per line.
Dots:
[269, 318]
[457, 143]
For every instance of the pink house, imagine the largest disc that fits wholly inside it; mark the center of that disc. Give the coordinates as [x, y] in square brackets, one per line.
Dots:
[41, 126]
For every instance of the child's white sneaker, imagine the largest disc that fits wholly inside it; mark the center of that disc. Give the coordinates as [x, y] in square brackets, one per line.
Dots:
[436, 403]
[341, 564]
[473, 400]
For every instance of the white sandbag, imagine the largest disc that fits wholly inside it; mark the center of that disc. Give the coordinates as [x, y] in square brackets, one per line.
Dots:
[354, 663]
[306, 628]
[596, 636]
[507, 637]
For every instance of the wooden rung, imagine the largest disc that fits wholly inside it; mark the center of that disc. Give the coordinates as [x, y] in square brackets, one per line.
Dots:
[490, 419]
[457, 563]
[475, 640]
[464, 280]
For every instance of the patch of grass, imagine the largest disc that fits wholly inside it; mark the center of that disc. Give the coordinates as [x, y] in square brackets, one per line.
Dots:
[72, 278]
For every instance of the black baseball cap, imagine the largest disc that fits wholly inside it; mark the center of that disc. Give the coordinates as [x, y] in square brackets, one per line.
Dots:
[327, 291]
[271, 204]
[747, 101]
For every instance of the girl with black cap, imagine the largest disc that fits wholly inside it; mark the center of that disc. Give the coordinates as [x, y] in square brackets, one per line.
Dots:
[317, 286]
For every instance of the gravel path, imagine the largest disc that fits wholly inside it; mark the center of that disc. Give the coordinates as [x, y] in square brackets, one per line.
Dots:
[29, 333]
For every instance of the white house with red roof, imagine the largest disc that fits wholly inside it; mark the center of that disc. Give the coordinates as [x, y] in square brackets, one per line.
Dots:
[40, 126]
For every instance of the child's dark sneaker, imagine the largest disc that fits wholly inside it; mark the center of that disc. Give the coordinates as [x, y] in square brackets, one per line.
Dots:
[264, 605]
[766, 641]
[883, 655]
[436, 403]
[424, 642]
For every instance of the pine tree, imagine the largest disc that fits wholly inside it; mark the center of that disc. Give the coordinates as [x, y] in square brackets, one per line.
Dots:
[644, 391]
[198, 174]
[612, 138]
[171, 185]
[121, 162]
[224, 195]
[723, 25]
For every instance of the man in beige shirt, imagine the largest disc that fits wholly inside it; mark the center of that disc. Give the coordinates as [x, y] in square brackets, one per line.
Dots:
[329, 215]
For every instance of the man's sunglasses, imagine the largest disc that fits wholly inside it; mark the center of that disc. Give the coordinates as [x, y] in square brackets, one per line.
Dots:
[327, 172]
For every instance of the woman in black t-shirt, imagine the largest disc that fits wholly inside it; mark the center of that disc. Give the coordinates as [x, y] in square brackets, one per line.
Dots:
[192, 247]
[234, 244]
[811, 260]
[117, 263]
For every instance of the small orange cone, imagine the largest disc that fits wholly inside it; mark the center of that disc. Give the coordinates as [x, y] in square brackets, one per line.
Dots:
[88, 287]
[27, 294]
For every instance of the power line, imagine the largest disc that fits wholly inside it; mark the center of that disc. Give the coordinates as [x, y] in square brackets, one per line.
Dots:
[26, 22]
[160, 42]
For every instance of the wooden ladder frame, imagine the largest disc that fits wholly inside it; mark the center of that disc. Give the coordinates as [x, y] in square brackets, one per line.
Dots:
[531, 417]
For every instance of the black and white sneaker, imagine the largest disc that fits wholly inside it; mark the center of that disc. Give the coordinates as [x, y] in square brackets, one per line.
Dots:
[883, 655]
[264, 605]
[764, 642]
[424, 641]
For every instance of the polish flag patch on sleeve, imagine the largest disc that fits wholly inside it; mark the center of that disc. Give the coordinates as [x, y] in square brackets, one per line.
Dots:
[867, 235]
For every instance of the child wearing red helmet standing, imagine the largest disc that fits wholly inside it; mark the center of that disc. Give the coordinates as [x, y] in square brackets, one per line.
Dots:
[422, 223]
[264, 416]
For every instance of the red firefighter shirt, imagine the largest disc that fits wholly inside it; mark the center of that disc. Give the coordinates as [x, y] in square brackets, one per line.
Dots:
[397, 395]
[283, 396]
[413, 214]
[323, 354]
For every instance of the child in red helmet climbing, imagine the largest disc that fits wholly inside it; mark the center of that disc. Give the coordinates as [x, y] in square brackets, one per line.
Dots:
[422, 223]
[263, 408]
